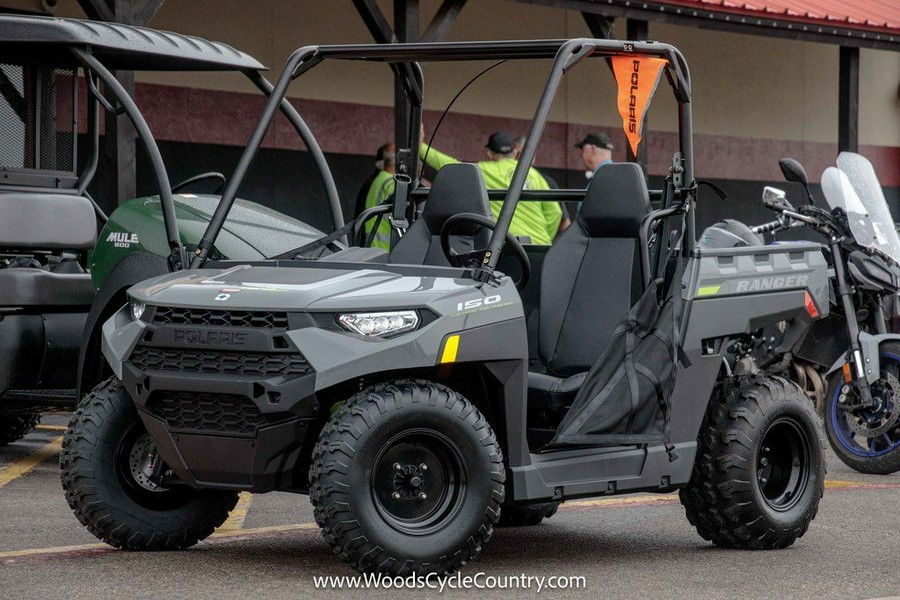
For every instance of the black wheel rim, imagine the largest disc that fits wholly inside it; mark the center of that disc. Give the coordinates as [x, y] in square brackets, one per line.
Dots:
[782, 464]
[418, 481]
[135, 458]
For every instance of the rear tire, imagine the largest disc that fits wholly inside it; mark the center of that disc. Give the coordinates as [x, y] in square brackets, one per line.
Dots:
[118, 504]
[527, 515]
[379, 509]
[14, 427]
[760, 467]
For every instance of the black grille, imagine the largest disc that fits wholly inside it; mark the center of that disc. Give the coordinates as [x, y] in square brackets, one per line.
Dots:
[228, 363]
[220, 413]
[221, 318]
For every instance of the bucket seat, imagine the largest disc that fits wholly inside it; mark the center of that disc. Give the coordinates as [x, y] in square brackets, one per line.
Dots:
[591, 277]
[457, 188]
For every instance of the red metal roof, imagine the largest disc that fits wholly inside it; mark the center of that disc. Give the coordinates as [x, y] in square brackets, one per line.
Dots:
[881, 16]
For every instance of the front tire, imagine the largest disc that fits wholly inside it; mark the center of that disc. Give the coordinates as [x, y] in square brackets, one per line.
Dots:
[851, 434]
[407, 477]
[14, 427]
[760, 467]
[104, 473]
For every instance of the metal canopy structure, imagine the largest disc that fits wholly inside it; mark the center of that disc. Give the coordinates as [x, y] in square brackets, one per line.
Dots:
[45, 39]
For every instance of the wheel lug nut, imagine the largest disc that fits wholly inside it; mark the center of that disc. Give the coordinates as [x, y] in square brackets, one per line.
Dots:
[423, 467]
[397, 467]
[395, 495]
[423, 496]
[764, 462]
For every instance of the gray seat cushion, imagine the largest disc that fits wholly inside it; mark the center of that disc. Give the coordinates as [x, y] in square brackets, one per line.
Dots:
[47, 222]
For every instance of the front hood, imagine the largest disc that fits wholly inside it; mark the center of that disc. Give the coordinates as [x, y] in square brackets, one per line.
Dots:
[297, 289]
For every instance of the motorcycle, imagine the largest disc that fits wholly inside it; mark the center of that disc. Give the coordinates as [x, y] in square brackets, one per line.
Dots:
[848, 361]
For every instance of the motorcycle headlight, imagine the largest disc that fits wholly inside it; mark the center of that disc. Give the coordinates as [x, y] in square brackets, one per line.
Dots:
[380, 324]
[137, 309]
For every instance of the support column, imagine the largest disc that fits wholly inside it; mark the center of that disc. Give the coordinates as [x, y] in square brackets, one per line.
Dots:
[406, 29]
[848, 101]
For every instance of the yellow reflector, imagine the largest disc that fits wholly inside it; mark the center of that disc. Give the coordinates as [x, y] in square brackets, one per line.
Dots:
[450, 348]
[708, 290]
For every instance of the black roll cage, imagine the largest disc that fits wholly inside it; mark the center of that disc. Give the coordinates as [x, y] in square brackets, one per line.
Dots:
[404, 60]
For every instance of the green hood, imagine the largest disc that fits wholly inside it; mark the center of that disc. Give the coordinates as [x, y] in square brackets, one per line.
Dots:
[251, 232]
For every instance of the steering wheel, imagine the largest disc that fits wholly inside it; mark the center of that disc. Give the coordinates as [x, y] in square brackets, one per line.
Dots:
[465, 259]
[201, 177]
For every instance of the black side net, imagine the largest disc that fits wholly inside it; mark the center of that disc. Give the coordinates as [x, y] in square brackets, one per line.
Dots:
[37, 118]
[625, 398]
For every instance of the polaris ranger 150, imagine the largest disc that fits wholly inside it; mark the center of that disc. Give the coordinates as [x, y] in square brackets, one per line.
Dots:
[397, 390]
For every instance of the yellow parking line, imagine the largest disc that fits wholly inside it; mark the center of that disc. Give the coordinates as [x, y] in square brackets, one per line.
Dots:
[238, 515]
[24, 465]
[51, 427]
[99, 547]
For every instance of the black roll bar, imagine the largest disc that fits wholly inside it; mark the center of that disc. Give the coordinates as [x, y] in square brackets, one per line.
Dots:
[566, 54]
[176, 250]
[309, 140]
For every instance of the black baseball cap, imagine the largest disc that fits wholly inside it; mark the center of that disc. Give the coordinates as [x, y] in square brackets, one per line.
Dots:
[500, 142]
[600, 139]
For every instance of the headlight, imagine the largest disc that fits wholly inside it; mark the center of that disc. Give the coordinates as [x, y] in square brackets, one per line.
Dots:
[380, 324]
[137, 309]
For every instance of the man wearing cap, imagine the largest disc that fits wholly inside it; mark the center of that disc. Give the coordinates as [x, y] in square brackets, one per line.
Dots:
[381, 188]
[596, 151]
[536, 220]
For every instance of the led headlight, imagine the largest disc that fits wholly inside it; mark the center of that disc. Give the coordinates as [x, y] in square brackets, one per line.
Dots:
[380, 324]
[137, 309]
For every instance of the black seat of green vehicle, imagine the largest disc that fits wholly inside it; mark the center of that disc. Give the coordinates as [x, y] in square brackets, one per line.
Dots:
[457, 188]
[33, 225]
[591, 278]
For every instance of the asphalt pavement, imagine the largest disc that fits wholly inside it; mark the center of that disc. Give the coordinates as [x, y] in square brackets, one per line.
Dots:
[637, 546]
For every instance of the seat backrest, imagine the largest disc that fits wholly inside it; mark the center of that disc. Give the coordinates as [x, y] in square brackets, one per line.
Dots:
[47, 222]
[592, 274]
[457, 188]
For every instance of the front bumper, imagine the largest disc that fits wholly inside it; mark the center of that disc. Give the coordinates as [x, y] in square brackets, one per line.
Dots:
[229, 404]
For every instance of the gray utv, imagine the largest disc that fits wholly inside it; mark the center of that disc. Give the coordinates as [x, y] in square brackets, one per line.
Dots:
[406, 393]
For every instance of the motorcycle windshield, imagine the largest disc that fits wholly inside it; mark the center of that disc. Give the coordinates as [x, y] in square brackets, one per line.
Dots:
[854, 187]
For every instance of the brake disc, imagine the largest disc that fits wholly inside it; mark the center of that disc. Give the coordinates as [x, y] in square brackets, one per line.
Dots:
[890, 411]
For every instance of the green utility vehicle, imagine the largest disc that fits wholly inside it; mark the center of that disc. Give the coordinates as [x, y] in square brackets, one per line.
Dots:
[65, 265]
[401, 390]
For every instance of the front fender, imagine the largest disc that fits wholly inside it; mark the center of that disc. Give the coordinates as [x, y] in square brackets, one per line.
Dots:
[871, 359]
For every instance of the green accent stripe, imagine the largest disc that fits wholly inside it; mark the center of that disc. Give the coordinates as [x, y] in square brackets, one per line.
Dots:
[708, 290]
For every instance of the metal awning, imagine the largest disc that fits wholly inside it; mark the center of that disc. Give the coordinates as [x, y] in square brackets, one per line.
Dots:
[28, 39]
[860, 23]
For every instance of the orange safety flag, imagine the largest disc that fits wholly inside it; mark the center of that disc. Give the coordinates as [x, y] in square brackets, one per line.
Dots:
[637, 78]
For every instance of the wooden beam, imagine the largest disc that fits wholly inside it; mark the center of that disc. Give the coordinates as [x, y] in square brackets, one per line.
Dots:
[147, 12]
[442, 21]
[848, 100]
[601, 27]
[97, 10]
[375, 21]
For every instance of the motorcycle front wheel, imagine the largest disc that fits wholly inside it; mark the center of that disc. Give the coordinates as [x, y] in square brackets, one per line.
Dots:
[867, 439]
